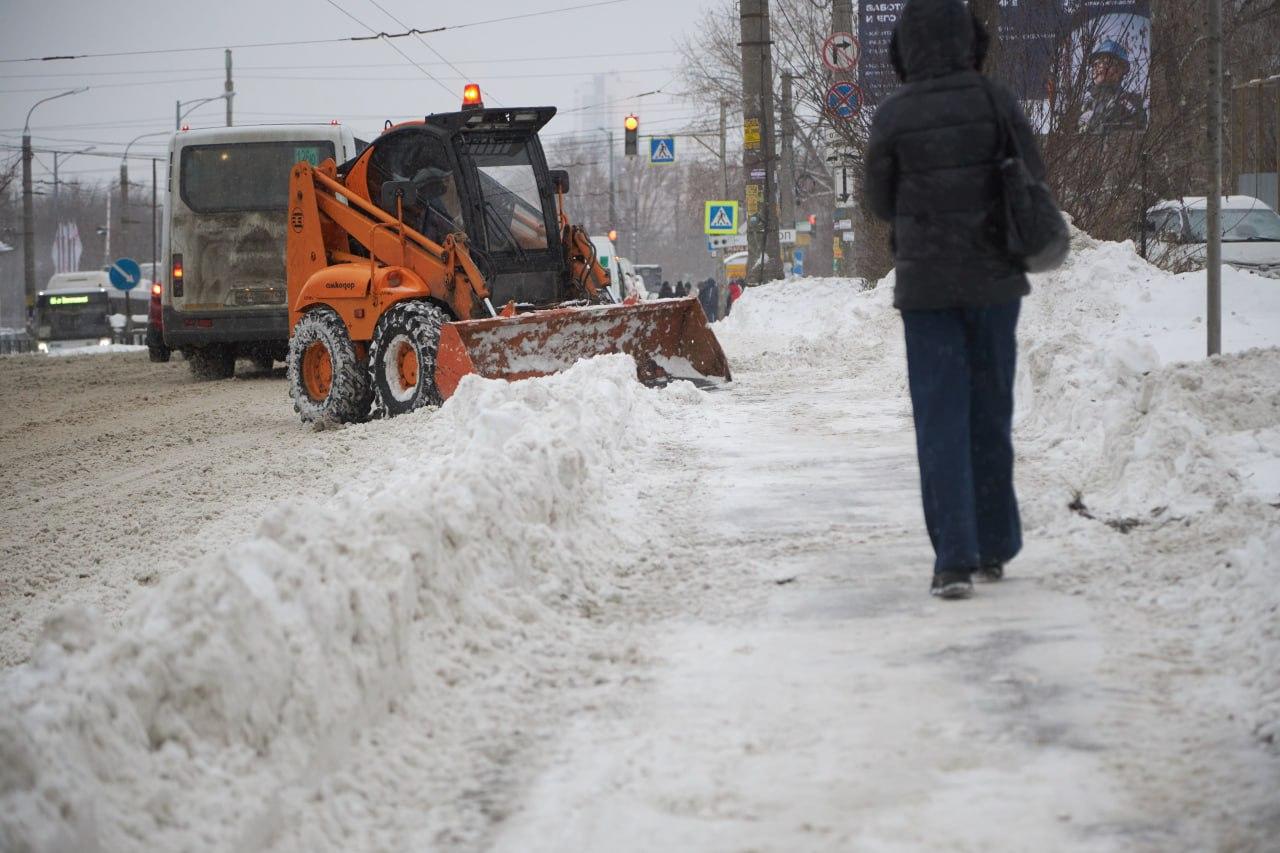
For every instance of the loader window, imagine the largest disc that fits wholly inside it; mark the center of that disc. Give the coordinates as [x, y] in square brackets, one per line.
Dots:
[434, 209]
[509, 186]
[243, 175]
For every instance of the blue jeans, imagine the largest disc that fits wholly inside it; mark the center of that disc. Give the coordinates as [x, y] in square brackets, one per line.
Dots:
[960, 365]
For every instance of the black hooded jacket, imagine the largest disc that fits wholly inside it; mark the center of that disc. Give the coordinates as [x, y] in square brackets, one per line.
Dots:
[932, 164]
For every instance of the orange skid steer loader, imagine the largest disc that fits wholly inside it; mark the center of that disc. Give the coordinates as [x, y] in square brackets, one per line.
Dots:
[397, 259]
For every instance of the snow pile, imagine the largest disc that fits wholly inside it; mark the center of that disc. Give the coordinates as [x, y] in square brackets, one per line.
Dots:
[823, 324]
[496, 521]
[94, 349]
[1122, 426]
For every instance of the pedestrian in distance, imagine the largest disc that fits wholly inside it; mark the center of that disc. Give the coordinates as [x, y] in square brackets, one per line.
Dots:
[665, 292]
[932, 171]
[709, 297]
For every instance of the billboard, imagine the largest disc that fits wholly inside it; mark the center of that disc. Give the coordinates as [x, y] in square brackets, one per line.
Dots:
[1106, 57]
[1082, 61]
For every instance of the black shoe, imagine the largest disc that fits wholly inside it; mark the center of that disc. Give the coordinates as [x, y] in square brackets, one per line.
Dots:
[989, 572]
[951, 585]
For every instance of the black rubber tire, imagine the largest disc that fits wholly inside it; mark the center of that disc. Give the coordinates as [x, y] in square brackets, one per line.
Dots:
[349, 395]
[215, 361]
[415, 324]
[160, 354]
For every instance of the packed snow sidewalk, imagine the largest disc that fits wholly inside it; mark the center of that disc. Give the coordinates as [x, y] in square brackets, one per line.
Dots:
[574, 614]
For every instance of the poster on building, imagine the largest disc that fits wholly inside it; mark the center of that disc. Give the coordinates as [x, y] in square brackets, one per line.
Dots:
[876, 20]
[1029, 35]
[1103, 83]
[1083, 62]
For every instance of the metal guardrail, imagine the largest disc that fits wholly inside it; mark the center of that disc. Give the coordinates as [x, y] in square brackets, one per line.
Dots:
[16, 342]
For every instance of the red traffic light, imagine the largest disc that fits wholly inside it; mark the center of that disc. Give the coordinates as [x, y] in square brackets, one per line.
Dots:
[813, 219]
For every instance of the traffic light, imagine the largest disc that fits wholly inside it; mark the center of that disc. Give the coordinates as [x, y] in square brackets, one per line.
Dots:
[631, 124]
[613, 234]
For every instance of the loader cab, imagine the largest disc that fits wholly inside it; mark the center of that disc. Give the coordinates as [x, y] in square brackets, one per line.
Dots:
[483, 172]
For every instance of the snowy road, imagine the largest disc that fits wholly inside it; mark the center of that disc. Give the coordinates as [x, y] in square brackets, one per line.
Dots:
[574, 614]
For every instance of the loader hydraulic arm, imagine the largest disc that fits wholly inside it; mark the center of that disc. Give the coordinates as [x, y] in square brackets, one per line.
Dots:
[324, 213]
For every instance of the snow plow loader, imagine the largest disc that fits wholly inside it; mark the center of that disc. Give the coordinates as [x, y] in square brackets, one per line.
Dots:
[443, 249]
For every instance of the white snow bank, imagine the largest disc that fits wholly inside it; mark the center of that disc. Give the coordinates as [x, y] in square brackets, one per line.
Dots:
[1117, 404]
[494, 523]
[95, 349]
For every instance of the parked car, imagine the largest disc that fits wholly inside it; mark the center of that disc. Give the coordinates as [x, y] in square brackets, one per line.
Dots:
[1175, 234]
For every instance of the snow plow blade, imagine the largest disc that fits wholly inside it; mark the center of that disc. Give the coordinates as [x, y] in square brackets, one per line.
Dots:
[669, 339]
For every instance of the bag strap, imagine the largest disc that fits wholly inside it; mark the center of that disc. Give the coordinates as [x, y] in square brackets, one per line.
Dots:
[1008, 144]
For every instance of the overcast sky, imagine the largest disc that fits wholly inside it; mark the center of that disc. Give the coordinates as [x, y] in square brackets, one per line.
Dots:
[546, 59]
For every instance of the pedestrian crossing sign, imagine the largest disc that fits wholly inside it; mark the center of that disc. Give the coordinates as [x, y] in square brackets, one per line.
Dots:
[662, 149]
[721, 217]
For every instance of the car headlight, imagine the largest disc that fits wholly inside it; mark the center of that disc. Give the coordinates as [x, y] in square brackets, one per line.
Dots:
[104, 342]
[42, 347]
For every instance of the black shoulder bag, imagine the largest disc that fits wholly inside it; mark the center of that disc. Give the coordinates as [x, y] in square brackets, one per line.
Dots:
[1035, 230]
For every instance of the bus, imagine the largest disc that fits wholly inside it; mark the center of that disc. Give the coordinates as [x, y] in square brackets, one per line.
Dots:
[79, 309]
[224, 291]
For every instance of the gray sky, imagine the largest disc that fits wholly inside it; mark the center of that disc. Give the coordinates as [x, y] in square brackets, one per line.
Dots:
[527, 61]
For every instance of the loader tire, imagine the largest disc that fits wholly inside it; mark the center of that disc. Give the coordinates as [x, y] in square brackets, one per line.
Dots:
[214, 361]
[328, 381]
[402, 358]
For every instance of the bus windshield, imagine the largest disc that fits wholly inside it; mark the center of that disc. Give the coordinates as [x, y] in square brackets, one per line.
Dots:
[68, 316]
[243, 175]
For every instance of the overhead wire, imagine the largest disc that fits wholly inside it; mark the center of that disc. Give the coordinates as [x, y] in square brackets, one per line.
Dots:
[382, 37]
[300, 42]
[437, 53]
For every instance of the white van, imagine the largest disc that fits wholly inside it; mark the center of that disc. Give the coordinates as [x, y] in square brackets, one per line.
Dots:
[1176, 235]
[224, 239]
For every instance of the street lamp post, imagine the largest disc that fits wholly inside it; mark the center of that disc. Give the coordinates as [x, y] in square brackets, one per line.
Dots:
[124, 213]
[613, 213]
[179, 115]
[28, 210]
[57, 208]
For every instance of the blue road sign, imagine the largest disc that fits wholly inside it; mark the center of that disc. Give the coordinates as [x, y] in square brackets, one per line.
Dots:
[662, 149]
[797, 261]
[125, 274]
[844, 100]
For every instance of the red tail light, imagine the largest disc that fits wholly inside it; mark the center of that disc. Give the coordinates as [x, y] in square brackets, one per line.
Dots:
[177, 274]
[155, 289]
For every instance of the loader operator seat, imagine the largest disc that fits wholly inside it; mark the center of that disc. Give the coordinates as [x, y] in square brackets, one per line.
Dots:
[434, 209]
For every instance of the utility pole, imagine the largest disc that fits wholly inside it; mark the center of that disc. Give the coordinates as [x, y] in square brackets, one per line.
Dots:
[228, 91]
[724, 159]
[1213, 212]
[28, 225]
[155, 232]
[124, 205]
[764, 261]
[613, 182]
[787, 180]
[28, 204]
[723, 291]
[846, 205]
